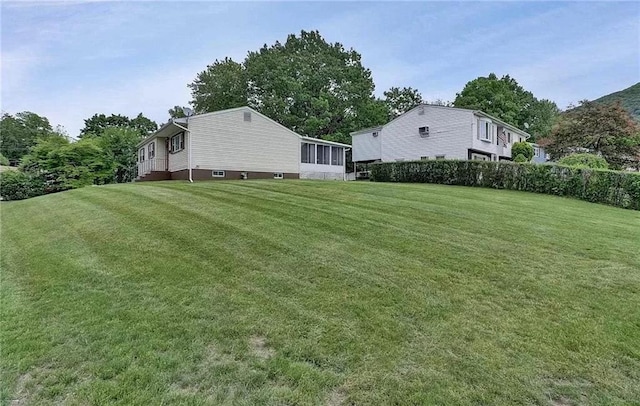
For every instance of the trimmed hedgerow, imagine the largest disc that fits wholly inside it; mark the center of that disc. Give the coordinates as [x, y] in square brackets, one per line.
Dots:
[615, 188]
[18, 185]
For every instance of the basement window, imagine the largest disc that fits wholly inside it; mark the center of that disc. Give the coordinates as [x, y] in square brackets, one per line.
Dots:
[217, 174]
[424, 158]
[439, 156]
[278, 175]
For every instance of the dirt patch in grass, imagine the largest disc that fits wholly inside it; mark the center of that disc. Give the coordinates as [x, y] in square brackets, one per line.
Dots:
[337, 397]
[260, 348]
[25, 389]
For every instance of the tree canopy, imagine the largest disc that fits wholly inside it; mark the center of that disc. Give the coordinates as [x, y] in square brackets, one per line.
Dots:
[399, 101]
[21, 131]
[506, 99]
[316, 88]
[606, 130]
[98, 123]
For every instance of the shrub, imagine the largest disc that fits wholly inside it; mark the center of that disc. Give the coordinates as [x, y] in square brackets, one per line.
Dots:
[520, 158]
[583, 160]
[4, 160]
[621, 189]
[18, 185]
[522, 148]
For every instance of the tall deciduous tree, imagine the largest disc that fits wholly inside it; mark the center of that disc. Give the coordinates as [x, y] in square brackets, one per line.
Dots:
[316, 88]
[20, 132]
[399, 101]
[223, 85]
[604, 129]
[98, 123]
[506, 99]
[176, 112]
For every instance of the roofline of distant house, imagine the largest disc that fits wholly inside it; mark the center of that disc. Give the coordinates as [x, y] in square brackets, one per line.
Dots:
[477, 112]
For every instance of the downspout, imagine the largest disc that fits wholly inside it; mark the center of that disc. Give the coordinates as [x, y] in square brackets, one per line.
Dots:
[188, 133]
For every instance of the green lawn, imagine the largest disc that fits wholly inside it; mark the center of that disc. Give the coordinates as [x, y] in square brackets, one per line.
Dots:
[328, 293]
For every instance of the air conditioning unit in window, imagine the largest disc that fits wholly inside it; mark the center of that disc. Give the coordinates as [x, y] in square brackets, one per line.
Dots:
[423, 131]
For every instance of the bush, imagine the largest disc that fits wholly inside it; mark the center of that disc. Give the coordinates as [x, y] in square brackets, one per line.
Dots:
[583, 160]
[520, 158]
[621, 189]
[4, 161]
[17, 185]
[522, 148]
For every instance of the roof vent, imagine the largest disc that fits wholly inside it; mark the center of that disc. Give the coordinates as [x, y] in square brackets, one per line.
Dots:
[421, 111]
[247, 116]
[423, 131]
[375, 134]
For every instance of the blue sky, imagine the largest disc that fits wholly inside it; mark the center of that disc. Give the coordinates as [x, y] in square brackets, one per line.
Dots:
[69, 60]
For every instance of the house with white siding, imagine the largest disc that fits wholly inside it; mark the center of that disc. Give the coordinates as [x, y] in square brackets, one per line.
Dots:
[238, 143]
[437, 132]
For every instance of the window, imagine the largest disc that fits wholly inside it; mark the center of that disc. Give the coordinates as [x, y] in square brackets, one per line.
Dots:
[141, 155]
[336, 156]
[485, 130]
[152, 150]
[375, 134]
[278, 175]
[247, 116]
[177, 142]
[479, 157]
[324, 152]
[509, 137]
[424, 158]
[439, 156]
[536, 151]
[217, 174]
[308, 153]
[423, 131]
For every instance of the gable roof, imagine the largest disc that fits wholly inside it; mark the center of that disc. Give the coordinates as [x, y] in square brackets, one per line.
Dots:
[183, 122]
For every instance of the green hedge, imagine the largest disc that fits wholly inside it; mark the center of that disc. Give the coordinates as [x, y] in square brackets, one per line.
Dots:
[621, 189]
[18, 185]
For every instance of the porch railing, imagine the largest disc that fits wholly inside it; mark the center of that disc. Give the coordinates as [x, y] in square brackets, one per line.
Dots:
[151, 165]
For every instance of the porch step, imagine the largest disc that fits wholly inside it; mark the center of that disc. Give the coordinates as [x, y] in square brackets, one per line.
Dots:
[155, 175]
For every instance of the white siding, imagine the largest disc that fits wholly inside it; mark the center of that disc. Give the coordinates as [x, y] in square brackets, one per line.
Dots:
[450, 134]
[366, 147]
[179, 160]
[225, 141]
[158, 163]
[492, 147]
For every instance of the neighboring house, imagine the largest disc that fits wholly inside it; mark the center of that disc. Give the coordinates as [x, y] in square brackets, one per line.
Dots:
[237, 143]
[539, 154]
[437, 132]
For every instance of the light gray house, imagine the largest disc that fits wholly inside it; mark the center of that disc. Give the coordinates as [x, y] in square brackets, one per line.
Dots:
[437, 132]
[237, 143]
[540, 156]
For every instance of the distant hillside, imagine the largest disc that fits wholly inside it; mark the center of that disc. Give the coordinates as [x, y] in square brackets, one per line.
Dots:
[630, 98]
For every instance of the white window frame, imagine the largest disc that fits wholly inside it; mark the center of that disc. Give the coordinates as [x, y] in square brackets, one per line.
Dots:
[311, 150]
[141, 155]
[336, 156]
[440, 156]
[278, 175]
[326, 158]
[536, 151]
[218, 174]
[151, 149]
[179, 141]
[486, 134]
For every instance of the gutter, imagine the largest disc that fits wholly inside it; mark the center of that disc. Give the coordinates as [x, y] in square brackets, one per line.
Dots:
[188, 133]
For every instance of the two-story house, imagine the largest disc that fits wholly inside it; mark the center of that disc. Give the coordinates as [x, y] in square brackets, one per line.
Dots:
[437, 132]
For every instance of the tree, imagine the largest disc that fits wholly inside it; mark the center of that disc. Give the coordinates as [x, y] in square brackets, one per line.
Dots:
[316, 88]
[68, 165]
[223, 85]
[21, 132]
[507, 100]
[606, 130]
[97, 124]
[399, 101]
[522, 148]
[121, 145]
[176, 112]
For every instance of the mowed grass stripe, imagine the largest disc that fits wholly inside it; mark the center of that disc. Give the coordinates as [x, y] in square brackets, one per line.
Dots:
[368, 293]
